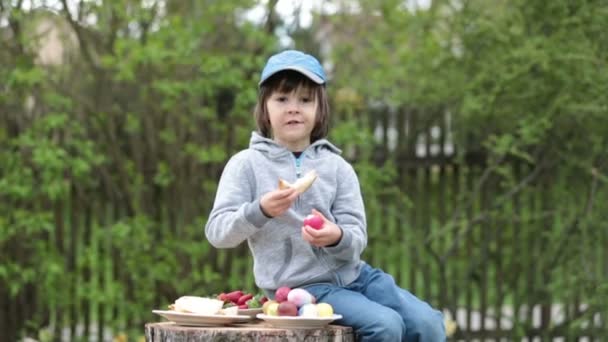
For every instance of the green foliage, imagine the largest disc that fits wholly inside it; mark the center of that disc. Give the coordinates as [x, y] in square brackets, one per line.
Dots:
[110, 160]
[524, 85]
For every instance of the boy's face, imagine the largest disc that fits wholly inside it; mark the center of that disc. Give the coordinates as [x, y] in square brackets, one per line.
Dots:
[292, 117]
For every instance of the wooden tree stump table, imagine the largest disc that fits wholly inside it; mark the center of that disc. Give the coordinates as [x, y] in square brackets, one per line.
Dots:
[257, 331]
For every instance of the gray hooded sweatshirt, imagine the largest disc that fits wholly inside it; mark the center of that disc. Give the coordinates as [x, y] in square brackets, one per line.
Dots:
[281, 257]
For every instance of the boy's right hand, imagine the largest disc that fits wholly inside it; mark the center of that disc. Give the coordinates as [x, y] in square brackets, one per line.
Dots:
[276, 202]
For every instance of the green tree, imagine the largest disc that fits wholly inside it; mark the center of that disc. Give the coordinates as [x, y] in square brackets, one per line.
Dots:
[524, 85]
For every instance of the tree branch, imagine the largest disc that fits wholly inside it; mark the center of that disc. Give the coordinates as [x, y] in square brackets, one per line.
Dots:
[15, 25]
[559, 254]
[145, 24]
[271, 21]
[84, 47]
[499, 202]
[114, 25]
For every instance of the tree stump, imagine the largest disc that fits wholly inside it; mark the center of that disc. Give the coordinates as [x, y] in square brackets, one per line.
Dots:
[168, 331]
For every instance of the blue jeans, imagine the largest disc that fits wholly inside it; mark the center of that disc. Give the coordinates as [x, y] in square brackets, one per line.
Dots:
[379, 310]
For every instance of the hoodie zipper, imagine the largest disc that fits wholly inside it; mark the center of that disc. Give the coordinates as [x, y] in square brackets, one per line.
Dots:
[318, 250]
[298, 162]
[298, 165]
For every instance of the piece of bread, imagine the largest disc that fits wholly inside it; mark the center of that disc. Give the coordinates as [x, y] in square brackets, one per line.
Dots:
[302, 184]
[283, 184]
[197, 305]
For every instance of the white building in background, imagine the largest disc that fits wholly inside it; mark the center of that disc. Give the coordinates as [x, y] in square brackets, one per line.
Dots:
[53, 38]
[52, 42]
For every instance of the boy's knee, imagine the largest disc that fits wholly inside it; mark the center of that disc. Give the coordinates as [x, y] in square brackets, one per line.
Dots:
[429, 326]
[393, 327]
[389, 327]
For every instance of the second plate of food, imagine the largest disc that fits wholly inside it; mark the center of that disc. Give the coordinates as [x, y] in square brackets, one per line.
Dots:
[298, 322]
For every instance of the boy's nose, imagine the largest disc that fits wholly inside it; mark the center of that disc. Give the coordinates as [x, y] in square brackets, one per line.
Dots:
[293, 106]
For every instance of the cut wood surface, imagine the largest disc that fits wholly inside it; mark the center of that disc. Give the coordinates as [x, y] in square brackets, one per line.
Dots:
[257, 331]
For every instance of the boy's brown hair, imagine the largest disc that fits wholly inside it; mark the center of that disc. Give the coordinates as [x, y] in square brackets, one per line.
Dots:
[286, 82]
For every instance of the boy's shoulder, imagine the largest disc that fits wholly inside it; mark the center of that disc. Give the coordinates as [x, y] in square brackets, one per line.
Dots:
[243, 155]
[333, 160]
[248, 156]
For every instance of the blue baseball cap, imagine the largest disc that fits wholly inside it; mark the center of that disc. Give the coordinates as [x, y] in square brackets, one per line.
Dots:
[294, 60]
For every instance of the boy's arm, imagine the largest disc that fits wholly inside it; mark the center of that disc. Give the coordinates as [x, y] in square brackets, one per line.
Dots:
[349, 212]
[236, 214]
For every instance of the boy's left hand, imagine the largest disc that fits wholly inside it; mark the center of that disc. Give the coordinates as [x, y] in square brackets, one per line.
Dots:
[329, 234]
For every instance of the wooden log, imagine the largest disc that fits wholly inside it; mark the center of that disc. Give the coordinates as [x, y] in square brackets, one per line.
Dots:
[168, 331]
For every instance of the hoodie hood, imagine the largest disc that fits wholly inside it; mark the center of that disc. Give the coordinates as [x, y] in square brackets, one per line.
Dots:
[274, 150]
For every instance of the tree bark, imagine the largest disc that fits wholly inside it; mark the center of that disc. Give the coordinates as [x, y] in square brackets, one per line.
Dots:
[167, 331]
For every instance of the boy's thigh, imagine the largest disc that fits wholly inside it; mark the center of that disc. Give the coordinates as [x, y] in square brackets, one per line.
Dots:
[357, 310]
[380, 287]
